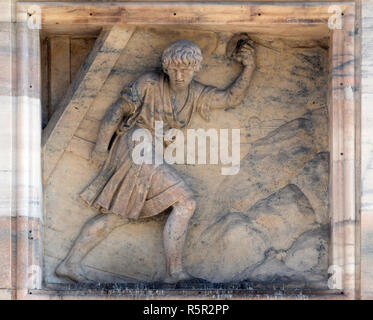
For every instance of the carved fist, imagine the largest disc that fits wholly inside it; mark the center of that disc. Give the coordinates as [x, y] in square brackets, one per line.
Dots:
[98, 157]
[245, 53]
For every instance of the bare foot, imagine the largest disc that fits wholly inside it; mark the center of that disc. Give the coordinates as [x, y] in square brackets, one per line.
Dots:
[71, 271]
[177, 276]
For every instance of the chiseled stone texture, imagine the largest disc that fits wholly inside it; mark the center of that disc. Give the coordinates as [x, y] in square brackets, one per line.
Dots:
[7, 139]
[366, 106]
[367, 254]
[268, 224]
[6, 247]
[367, 151]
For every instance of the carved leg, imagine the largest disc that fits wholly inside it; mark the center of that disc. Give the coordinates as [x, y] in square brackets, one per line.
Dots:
[174, 235]
[93, 232]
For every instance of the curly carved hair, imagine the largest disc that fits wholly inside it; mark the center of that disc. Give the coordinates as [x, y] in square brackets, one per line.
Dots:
[182, 52]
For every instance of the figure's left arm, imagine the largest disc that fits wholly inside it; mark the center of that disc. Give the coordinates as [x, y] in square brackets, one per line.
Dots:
[235, 93]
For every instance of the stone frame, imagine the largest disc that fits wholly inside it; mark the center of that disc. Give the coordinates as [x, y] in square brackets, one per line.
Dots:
[269, 18]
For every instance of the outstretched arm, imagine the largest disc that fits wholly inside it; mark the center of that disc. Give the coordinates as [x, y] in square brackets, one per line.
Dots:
[235, 93]
[109, 124]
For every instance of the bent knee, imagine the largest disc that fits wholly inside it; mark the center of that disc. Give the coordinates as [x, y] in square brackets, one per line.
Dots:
[187, 203]
[112, 221]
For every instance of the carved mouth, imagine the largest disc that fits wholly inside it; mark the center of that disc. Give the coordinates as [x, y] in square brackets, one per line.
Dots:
[179, 83]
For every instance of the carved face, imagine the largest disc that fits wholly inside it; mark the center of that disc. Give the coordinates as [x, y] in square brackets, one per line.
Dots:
[180, 76]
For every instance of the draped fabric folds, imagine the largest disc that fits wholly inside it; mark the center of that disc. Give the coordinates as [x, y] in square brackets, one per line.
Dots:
[132, 190]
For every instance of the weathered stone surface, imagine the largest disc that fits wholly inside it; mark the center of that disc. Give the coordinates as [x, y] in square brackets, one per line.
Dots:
[252, 226]
[366, 152]
[81, 94]
[310, 252]
[282, 226]
[227, 248]
[313, 181]
[301, 265]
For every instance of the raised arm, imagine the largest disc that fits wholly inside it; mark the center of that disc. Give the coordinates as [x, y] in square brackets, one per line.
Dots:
[109, 125]
[235, 93]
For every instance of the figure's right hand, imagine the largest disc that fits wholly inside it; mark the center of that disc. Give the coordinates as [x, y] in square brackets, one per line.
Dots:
[98, 157]
[245, 53]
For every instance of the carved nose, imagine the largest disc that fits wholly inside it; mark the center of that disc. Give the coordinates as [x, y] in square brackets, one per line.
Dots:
[179, 76]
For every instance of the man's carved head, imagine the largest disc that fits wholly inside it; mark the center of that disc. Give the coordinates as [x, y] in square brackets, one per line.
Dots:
[182, 53]
[180, 60]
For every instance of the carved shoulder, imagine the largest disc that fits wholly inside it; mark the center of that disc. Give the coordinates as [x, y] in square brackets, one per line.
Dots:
[134, 93]
[147, 79]
[198, 87]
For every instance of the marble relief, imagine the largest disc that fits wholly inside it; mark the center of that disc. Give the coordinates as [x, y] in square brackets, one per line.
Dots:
[109, 219]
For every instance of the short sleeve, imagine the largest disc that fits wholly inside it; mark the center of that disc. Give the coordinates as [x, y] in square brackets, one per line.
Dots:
[203, 105]
[131, 97]
[134, 94]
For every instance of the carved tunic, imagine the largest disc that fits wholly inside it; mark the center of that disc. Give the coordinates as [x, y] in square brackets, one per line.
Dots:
[133, 191]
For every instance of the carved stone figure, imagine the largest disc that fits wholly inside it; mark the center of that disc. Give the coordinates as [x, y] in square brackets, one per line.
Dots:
[123, 190]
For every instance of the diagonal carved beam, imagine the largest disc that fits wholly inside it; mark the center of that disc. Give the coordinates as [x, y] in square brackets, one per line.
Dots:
[81, 94]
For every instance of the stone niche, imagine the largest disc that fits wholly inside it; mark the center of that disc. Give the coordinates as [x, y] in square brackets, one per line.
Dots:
[267, 226]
